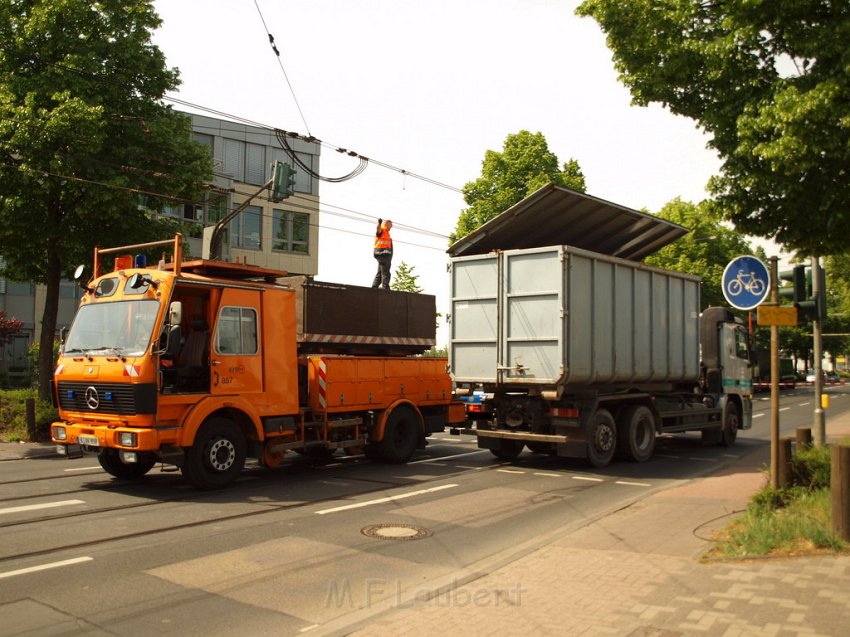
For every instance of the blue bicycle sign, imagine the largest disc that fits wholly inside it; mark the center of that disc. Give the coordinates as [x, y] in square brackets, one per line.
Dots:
[746, 282]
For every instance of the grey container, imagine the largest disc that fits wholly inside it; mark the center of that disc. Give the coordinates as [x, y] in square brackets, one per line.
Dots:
[560, 317]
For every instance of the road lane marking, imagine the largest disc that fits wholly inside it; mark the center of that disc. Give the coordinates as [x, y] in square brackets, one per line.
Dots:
[784, 409]
[758, 415]
[588, 479]
[633, 484]
[509, 471]
[549, 475]
[36, 507]
[44, 567]
[390, 498]
[456, 455]
[803, 404]
[83, 469]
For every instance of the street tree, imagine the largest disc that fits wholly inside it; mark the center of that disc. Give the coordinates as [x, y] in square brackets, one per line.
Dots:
[524, 165]
[770, 85]
[704, 251]
[404, 280]
[83, 136]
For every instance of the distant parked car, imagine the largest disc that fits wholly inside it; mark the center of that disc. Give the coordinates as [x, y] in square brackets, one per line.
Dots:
[832, 377]
[810, 376]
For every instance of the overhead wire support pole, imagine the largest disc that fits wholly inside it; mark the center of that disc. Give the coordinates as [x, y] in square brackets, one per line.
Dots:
[215, 239]
[774, 379]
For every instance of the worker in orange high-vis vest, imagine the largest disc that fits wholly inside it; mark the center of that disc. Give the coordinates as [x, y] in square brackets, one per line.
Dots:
[383, 253]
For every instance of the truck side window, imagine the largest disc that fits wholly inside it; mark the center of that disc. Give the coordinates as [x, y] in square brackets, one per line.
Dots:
[741, 344]
[237, 331]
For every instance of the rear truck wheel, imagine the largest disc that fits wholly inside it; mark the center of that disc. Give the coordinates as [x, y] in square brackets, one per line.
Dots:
[601, 439]
[508, 449]
[110, 460]
[729, 432]
[401, 436]
[217, 457]
[636, 434]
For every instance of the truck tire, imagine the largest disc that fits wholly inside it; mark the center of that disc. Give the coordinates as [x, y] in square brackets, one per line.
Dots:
[217, 457]
[601, 439]
[508, 449]
[729, 432]
[110, 460]
[401, 436]
[636, 434]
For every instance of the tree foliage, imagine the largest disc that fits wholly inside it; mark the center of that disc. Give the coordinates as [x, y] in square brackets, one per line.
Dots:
[404, 280]
[770, 84]
[83, 134]
[524, 165]
[704, 251]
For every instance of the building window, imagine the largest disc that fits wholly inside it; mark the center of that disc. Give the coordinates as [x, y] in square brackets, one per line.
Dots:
[255, 164]
[290, 231]
[245, 229]
[234, 158]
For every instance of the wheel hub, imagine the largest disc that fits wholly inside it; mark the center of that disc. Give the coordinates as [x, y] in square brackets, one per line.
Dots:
[222, 454]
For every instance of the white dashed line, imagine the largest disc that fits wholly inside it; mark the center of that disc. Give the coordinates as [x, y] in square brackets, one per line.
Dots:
[36, 507]
[391, 498]
[44, 567]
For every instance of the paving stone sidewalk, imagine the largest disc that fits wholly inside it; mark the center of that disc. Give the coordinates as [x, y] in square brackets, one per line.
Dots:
[637, 573]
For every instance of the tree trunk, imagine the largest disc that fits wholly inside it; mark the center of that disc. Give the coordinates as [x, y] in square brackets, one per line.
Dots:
[48, 324]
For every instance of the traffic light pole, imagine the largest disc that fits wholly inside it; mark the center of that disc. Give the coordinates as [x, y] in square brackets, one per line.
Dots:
[774, 379]
[820, 416]
[215, 240]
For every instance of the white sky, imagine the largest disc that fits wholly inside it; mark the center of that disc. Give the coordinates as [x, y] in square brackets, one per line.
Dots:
[428, 86]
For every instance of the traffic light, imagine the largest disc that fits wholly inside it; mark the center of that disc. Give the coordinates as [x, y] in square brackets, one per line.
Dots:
[283, 184]
[801, 293]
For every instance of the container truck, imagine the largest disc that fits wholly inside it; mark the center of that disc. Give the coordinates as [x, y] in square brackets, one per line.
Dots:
[200, 364]
[584, 355]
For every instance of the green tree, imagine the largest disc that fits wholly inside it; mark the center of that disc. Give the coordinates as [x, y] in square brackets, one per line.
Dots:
[704, 251]
[404, 279]
[770, 84]
[524, 165]
[83, 133]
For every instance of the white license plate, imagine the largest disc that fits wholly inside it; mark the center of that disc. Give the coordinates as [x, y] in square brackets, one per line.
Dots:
[89, 441]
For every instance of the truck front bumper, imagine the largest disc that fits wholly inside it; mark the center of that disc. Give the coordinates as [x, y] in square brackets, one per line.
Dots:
[70, 434]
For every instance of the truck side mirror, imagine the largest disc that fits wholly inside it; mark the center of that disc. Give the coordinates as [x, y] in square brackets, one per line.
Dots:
[175, 313]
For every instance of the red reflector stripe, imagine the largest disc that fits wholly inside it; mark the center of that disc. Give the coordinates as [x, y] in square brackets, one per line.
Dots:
[563, 412]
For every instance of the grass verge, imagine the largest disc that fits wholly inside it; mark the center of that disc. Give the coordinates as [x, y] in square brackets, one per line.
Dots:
[784, 522]
[13, 416]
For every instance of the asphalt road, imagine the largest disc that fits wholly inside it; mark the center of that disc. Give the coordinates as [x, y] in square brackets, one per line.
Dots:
[288, 551]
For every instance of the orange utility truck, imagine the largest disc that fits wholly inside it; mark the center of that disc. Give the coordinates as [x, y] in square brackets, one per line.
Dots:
[200, 364]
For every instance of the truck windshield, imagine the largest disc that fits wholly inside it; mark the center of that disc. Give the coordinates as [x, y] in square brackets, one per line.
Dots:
[121, 328]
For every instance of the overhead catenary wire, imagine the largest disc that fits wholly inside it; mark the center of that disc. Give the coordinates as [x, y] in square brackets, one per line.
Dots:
[236, 118]
[282, 69]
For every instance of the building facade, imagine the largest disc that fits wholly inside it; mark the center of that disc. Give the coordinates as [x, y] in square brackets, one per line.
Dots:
[282, 235]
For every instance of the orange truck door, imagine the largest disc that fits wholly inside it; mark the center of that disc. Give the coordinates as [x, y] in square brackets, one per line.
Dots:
[235, 361]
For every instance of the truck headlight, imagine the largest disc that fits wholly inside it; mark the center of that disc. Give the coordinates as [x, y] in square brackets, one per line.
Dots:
[59, 433]
[127, 439]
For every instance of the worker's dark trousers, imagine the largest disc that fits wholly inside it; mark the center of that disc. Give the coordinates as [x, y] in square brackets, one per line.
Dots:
[382, 278]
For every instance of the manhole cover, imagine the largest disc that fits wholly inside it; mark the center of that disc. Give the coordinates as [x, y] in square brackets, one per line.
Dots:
[395, 531]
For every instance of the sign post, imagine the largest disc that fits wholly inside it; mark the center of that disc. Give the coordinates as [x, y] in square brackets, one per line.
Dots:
[746, 284]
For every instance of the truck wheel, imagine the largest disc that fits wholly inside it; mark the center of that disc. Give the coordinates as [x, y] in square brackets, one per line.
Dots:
[110, 460]
[217, 457]
[508, 449]
[602, 439]
[636, 434]
[729, 432]
[401, 436]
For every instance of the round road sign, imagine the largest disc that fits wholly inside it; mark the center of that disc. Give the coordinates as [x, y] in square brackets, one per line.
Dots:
[746, 282]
